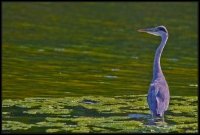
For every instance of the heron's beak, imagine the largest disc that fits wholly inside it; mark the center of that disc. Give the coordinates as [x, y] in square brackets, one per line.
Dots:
[142, 30]
[145, 30]
[149, 31]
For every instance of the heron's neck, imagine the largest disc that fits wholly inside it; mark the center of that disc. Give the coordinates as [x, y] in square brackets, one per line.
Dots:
[157, 71]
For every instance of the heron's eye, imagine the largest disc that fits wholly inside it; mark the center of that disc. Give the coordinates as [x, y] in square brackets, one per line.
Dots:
[162, 29]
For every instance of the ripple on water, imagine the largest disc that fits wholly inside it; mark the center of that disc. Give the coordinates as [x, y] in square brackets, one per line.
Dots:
[172, 59]
[193, 85]
[111, 76]
[134, 57]
[139, 116]
[40, 50]
[115, 69]
[59, 49]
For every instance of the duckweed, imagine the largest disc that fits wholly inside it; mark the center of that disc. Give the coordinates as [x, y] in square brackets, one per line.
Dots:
[96, 114]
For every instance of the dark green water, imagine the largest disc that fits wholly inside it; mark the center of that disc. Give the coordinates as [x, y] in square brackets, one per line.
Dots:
[73, 49]
[83, 67]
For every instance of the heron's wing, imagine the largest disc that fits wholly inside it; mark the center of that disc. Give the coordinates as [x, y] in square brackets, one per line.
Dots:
[151, 98]
[162, 98]
[161, 105]
[160, 94]
[156, 97]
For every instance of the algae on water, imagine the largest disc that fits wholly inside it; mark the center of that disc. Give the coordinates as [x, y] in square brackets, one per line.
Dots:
[96, 114]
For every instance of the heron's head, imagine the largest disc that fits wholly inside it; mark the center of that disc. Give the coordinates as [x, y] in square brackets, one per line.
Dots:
[157, 31]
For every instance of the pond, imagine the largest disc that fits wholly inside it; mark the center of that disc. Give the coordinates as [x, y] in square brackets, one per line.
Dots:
[57, 53]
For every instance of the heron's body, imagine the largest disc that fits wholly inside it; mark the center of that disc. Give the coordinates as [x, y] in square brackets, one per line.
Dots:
[158, 95]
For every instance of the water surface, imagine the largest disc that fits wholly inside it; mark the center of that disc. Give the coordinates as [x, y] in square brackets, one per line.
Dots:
[82, 66]
[73, 49]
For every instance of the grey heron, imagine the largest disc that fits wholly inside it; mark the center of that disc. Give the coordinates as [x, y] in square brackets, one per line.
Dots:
[158, 95]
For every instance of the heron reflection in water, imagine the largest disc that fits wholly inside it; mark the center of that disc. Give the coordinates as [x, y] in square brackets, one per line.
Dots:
[158, 95]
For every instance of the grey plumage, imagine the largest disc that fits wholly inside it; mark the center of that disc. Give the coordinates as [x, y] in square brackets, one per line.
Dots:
[158, 95]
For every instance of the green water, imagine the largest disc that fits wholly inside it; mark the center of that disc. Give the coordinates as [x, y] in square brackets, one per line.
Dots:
[77, 49]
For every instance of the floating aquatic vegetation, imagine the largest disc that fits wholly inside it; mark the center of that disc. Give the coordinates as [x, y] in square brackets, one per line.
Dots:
[15, 125]
[98, 114]
[52, 130]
